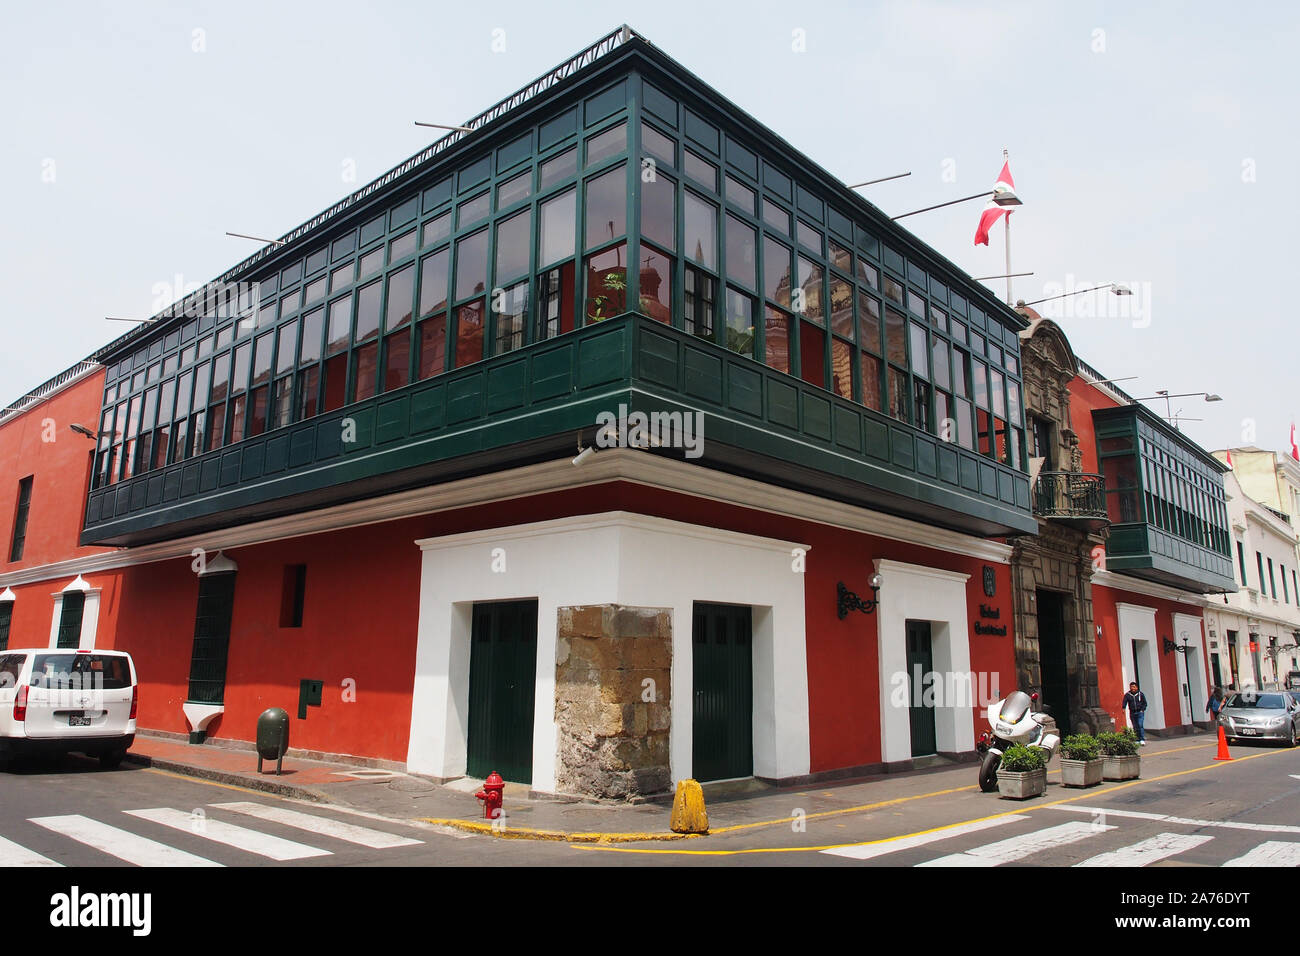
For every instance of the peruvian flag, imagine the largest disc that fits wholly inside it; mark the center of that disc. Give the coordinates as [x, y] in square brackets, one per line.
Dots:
[1230, 464]
[1295, 449]
[993, 212]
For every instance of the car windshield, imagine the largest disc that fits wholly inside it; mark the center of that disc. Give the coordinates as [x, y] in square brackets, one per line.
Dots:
[11, 665]
[1258, 701]
[109, 672]
[1015, 707]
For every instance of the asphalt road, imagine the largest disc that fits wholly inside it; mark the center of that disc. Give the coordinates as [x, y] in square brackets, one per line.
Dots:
[1187, 810]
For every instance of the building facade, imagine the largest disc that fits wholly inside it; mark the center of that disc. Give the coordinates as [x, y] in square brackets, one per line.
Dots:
[459, 488]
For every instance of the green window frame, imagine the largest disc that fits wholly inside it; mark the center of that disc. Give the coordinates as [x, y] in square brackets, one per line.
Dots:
[71, 613]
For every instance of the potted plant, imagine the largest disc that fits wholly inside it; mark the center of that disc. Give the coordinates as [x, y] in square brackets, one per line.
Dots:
[1120, 760]
[1022, 773]
[1081, 761]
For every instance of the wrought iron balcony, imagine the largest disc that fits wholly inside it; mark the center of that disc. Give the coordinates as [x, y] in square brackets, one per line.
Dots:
[1071, 497]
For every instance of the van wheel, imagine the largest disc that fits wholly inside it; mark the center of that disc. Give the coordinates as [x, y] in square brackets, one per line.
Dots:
[111, 759]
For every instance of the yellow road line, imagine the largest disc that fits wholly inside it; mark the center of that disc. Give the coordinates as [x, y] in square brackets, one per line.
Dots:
[1088, 793]
[559, 836]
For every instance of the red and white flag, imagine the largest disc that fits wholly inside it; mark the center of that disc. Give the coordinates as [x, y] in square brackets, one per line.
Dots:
[1295, 449]
[993, 212]
[1230, 464]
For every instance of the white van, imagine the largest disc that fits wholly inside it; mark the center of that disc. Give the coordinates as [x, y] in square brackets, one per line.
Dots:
[57, 701]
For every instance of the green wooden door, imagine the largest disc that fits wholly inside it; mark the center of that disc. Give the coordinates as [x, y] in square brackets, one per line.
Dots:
[502, 685]
[212, 618]
[920, 663]
[723, 678]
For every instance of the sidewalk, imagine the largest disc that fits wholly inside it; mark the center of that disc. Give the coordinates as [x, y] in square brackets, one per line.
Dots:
[401, 796]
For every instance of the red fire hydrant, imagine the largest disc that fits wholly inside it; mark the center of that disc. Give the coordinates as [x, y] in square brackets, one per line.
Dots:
[492, 795]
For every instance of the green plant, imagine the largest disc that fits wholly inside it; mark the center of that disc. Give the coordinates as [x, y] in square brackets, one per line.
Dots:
[1080, 747]
[613, 283]
[1020, 759]
[1118, 745]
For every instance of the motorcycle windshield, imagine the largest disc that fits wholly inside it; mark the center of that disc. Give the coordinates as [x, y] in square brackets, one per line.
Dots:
[1015, 707]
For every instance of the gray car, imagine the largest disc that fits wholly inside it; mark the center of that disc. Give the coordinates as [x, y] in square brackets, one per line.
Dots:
[1267, 715]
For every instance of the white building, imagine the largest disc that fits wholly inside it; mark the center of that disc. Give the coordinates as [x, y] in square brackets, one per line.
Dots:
[1254, 634]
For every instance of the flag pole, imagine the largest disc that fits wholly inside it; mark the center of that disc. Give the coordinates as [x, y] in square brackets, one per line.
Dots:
[1007, 222]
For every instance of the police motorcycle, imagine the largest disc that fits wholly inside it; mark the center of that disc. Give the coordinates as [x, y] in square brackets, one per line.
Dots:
[1013, 721]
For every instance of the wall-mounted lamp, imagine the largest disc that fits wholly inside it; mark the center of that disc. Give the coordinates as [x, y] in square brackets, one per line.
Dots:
[1177, 648]
[846, 600]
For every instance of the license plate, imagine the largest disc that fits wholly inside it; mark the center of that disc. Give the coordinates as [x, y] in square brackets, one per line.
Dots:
[1248, 731]
[78, 720]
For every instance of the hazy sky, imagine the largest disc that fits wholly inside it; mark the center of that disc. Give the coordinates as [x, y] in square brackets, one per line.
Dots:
[1152, 143]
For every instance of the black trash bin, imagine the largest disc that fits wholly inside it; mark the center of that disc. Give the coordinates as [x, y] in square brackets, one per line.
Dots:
[272, 736]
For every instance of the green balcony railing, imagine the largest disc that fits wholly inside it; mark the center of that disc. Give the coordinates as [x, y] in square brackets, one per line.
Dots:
[1070, 496]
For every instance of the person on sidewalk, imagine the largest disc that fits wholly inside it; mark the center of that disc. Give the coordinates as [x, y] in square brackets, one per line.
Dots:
[1215, 704]
[1136, 702]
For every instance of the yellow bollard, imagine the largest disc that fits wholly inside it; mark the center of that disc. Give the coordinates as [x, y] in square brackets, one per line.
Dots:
[689, 813]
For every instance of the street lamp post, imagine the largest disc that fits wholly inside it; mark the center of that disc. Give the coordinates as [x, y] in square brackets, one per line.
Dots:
[1116, 288]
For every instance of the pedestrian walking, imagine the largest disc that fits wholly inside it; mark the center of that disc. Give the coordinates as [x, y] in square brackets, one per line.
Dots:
[1215, 703]
[1136, 703]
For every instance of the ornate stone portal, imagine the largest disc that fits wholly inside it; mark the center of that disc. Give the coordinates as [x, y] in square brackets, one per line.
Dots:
[1057, 562]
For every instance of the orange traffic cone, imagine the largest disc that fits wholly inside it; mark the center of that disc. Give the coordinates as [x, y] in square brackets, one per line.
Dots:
[1223, 746]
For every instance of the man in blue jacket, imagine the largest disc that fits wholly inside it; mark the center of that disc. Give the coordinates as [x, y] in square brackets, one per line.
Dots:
[1136, 702]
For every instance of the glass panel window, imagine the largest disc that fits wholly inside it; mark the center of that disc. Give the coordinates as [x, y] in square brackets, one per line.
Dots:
[959, 362]
[809, 237]
[511, 309]
[365, 368]
[431, 345]
[433, 282]
[557, 169]
[607, 283]
[965, 437]
[979, 384]
[871, 369]
[700, 240]
[367, 318]
[701, 170]
[810, 289]
[920, 351]
[659, 211]
[740, 323]
[658, 145]
[513, 246]
[220, 378]
[402, 246]
[939, 351]
[397, 359]
[869, 322]
[698, 295]
[609, 143]
[281, 410]
[867, 273]
[895, 337]
[556, 227]
[471, 267]
[921, 404]
[898, 394]
[308, 389]
[340, 326]
[1013, 402]
[915, 304]
[339, 278]
[742, 259]
[812, 354]
[776, 272]
[371, 263]
[515, 189]
[606, 207]
[841, 368]
[938, 319]
[944, 425]
[983, 432]
[472, 210]
[776, 338]
[841, 306]
[469, 333]
[997, 397]
[893, 290]
[401, 293]
[776, 217]
[655, 285]
[740, 194]
[314, 292]
[436, 230]
[840, 257]
[555, 300]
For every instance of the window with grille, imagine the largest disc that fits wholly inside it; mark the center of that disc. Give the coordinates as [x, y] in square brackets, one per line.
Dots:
[20, 519]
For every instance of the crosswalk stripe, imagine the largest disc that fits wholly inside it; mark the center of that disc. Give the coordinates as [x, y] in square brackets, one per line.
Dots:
[1148, 851]
[868, 851]
[350, 833]
[120, 843]
[11, 854]
[1102, 813]
[1017, 848]
[241, 838]
[1270, 853]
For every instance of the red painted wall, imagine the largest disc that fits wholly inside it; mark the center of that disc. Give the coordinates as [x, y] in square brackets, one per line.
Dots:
[1110, 678]
[1083, 399]
[60, 470]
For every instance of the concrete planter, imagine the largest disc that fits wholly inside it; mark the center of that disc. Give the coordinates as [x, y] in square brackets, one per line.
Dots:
[1081, 773]
[1022, 786]
[1121, 768]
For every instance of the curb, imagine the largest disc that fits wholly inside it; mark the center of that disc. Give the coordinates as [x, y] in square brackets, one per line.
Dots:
[231, 779]
[558, 836]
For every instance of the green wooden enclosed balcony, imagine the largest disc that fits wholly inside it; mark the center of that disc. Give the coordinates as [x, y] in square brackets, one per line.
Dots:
[477, 306]
[1166, 503]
